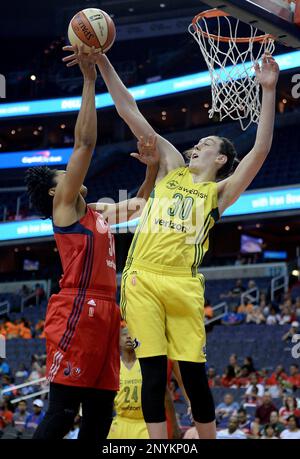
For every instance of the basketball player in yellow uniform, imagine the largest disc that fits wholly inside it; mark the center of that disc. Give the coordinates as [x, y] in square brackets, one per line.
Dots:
[162, 292]
[129, 421]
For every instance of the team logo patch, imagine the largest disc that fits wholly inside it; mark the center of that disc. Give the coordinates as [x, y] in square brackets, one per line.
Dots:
[136, 343]
[172, 184]
[72, 371]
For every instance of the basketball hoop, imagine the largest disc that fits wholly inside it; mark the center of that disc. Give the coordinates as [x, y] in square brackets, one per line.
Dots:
[230, 58]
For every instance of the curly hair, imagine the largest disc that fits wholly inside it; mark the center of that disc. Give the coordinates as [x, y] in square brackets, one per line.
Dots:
[228, 149]
[39, 180]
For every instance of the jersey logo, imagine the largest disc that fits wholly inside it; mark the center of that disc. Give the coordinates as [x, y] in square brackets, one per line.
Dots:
[136, 343]
[172, 184]
[72, 371]
[92, 303]
[91, 311]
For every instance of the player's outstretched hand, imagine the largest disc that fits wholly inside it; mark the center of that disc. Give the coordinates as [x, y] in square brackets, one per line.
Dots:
[148, 153]
[267, 74]
[86, 61]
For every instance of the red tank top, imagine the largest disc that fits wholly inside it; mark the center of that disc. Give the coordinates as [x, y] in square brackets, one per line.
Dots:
[87, 253]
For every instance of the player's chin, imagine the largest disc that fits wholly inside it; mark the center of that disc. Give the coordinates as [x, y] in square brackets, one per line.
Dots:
[193, 165]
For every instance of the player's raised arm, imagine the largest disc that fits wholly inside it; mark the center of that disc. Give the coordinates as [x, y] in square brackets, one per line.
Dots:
[230, 189]
[170, 158]
[67, 190]
[122, 211]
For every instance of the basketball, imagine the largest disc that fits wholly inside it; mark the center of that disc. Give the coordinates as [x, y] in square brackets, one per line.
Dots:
[92, 27]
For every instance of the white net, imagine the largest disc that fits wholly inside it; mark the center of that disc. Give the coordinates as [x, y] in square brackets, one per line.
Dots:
[230, 60]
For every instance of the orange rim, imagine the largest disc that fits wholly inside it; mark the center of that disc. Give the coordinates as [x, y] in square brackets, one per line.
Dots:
[215, 13]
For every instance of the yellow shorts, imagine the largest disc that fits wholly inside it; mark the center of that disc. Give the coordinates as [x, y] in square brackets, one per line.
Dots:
[164, 311]
[128, 428]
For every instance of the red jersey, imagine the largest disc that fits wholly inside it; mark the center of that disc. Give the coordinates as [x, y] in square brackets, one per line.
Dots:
[87, 253]
[83, 321]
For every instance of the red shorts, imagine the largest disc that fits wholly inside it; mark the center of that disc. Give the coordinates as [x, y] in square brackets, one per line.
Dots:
[82, 335]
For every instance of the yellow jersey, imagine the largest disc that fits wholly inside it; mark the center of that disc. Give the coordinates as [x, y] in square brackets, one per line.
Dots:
[174, 226]
[128, 402]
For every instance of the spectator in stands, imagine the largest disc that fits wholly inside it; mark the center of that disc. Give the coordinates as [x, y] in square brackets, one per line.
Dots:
[20, 416]
[255, 430]
[292, 331]
[255, 391]
[238, 289]
[294, 377]
[24, 291]
[275, 423]
[39, 329]
[240, 260]
[249, 365]
[273, 317]
[264, 411]
[246, 307]
[286, 316]
[243, 380]
[4, 367]
[269, 433]
[9, 329]
[235, 292]
[289, 408]
[251, 284]
[7, 384]
[291, 432]
[256, 316]
[39, 293]
[213, 378]
[35, 372]
[173, 386]
[6, 414]
[277, 377]
[233, 362]
[22, 372]
[73, 434]
[233, 431]
[228, 379]
[37, 416]
[225, 409]
[24, 329]
[263, 304]
[233, 318]
[244, 421]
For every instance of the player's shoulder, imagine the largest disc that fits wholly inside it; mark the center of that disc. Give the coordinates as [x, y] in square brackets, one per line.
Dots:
[177, 173]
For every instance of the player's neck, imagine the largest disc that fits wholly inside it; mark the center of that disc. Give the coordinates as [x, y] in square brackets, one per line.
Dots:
[203, 176]
[128, 358]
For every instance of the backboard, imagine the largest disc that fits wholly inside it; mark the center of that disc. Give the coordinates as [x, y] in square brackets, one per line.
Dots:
[280, 18]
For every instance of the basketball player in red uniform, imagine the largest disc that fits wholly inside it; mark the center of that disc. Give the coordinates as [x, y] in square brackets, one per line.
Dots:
[83, 320]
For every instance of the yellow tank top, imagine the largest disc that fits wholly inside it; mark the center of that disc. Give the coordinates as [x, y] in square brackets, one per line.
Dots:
[128, 401]
[174, 226]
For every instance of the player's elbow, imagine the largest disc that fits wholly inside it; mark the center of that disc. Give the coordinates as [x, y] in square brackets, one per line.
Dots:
[125, 111]
[85, 146]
